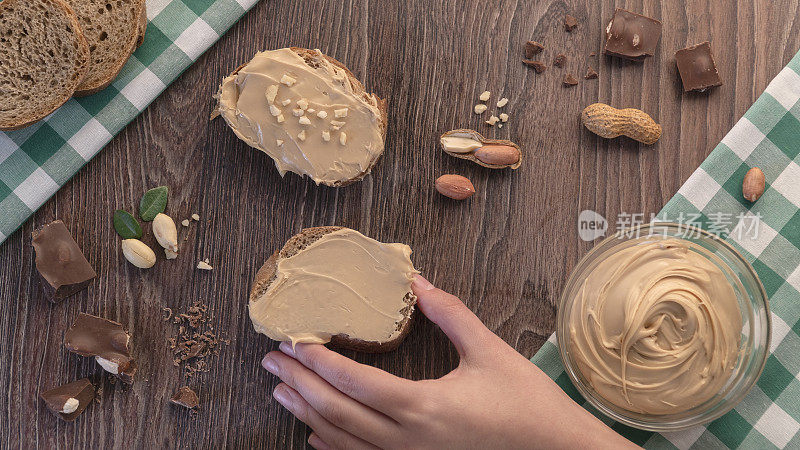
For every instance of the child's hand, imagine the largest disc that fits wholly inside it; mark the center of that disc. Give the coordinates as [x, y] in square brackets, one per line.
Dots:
[494, 399]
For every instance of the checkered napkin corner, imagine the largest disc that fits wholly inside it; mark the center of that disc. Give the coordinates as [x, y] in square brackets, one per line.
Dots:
[767, 233]
[36, 161]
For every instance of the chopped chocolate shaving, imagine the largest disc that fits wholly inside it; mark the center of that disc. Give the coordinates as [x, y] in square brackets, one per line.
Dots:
[591, 74]
[532, 48]
[538, 66]
[168, 312]
[192, 345]
[104, 339]
[68, 401]
[560, 61]
[570, 23]
[185, 397]
[60, 261]
[570, 80]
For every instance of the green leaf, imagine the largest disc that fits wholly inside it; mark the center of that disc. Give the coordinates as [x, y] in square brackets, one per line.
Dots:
[126, 225]
[153, 203]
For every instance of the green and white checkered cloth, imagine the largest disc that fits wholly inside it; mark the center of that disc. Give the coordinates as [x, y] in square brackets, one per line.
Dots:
[768, 234]
[36, 161]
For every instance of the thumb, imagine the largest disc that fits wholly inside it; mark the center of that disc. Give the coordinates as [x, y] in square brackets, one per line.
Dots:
[465, 330]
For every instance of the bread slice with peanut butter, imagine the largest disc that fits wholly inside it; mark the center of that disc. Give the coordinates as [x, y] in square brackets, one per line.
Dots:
[335, 285]
[43, 58]
[306, 111]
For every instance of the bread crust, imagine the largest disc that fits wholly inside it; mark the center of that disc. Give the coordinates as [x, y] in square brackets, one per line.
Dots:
[358, 87]
[142, 26]
[135, 39]
[82, 63]
[266, 275]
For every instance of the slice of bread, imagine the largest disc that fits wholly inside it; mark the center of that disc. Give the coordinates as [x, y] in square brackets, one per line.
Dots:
[312, 58]
[113, 29]
[267, 275]
[43, 58]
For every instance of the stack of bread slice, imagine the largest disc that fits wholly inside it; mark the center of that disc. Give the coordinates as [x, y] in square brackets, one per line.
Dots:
[51, 50]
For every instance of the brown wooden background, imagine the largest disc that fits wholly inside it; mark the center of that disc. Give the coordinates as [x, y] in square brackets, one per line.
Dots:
[506, 252]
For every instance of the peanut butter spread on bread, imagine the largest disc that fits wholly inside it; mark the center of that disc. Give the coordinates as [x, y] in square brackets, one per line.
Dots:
[307, 115]
[344, 283]
[656, 327]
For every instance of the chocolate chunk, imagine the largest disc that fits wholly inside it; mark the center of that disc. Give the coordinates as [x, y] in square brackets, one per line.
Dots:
[570, 80]
[697, 68]
[632, 36]
[185, 397]
[532, 48]
[591, 74]
[104, 339]
[538, 66]
[570, 23]
[69, 400]
[560, 61]
[60, 261]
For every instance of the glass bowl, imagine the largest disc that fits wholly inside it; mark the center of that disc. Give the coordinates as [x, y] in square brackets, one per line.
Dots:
[755, 334]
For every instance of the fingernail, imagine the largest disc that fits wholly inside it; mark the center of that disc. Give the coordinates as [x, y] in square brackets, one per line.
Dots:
[270, 364]
[282, 395]
[421, 284]
[314, 440]
[286, 348]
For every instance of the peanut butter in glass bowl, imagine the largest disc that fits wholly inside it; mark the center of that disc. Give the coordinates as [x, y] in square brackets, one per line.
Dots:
[663, 328]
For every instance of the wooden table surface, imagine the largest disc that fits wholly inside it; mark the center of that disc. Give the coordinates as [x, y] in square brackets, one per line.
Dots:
[506, 252]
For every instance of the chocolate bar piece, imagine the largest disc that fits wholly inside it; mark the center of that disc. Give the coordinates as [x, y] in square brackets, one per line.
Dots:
[60, 261]
[104, 339]
[69, 400]
[697, 68]
[185, 397]
[632, 36]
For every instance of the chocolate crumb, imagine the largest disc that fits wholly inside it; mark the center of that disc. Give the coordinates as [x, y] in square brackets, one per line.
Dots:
[570, 23]
[185, 397]
[593, 54]
[591, 74]
[538, 66]
[195, 340]
[570, 80]
[532, 48]
[560, 61]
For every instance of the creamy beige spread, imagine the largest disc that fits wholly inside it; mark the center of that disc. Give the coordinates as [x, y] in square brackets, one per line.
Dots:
[310, 120]
[656, 327]
[343, 283]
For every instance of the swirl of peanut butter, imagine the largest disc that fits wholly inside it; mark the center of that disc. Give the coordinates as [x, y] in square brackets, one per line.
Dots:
[655, 328]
